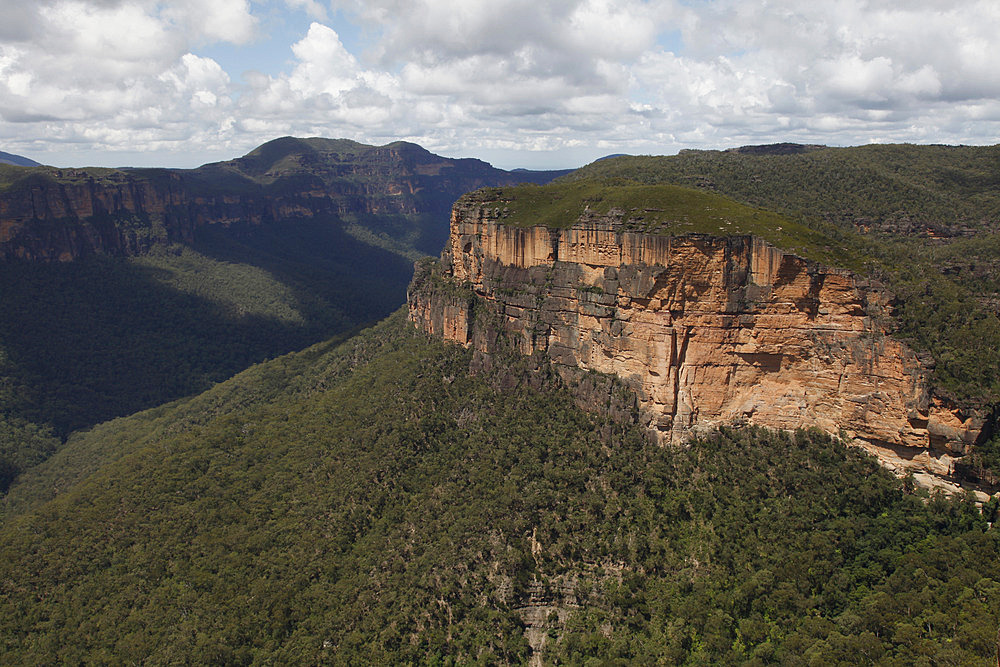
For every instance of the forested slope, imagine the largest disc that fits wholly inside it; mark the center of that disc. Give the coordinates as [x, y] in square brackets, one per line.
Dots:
[85, 341]
[173, 280]
[375, 502]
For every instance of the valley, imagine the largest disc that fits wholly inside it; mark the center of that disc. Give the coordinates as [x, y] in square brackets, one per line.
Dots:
[129, 288]
[613, 421]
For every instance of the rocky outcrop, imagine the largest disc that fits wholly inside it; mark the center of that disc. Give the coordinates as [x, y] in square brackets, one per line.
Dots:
[706, 330]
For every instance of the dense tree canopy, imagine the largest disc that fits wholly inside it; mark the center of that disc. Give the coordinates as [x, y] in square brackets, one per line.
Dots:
[374, 502]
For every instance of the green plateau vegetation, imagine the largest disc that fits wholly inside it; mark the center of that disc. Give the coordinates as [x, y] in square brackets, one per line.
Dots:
[945, 188]
[662, 209]
[19, 177]
[372, 502]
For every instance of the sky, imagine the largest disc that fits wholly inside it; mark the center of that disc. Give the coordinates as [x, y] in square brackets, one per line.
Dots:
[520, 83]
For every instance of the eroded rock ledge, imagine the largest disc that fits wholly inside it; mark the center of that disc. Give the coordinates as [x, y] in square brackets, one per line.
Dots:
[707, 330]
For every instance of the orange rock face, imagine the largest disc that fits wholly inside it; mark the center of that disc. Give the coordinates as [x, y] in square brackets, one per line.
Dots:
[706, 330]
[73, 215]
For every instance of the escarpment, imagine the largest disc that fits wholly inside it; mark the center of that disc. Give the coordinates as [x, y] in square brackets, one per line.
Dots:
[707, 330]
[76, 214]
[63, 214]
[124, 213]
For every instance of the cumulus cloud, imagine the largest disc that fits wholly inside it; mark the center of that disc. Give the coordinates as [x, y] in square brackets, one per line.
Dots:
[325, 66]
[116, 73]
[464, 76]
[326, 92]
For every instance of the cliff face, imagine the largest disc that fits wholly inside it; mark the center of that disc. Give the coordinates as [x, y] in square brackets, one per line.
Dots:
[76, 214]
[706, 330]
[62, 214]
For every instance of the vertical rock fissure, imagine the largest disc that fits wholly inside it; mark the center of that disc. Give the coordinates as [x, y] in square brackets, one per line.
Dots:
[678, 356]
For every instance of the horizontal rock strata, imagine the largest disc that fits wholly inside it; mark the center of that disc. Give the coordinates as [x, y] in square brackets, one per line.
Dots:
[124, 213]
[50, 214]
[707, 330]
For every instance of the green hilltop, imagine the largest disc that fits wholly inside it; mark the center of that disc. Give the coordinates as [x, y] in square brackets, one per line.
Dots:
[902, 187]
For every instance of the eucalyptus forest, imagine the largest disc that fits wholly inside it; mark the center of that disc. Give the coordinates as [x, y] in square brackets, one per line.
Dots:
[236, 449]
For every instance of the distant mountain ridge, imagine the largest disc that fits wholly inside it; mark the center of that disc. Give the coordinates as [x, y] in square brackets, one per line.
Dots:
[63, 214]
[17, 160]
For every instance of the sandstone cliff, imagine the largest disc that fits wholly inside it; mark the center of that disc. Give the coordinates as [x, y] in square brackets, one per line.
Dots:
[708, 330]
[61, 214]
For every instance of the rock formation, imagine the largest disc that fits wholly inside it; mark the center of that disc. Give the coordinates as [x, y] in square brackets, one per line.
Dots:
[707, 330]
[61, 214]
[67, 213]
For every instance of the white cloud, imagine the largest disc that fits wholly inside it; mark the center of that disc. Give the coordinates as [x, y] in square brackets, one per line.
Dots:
[855, 80]
[325, 66]
[212, 20]
[117, 73]
[117, 40]
[326, 92]
[462, 76]
[201, 81]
